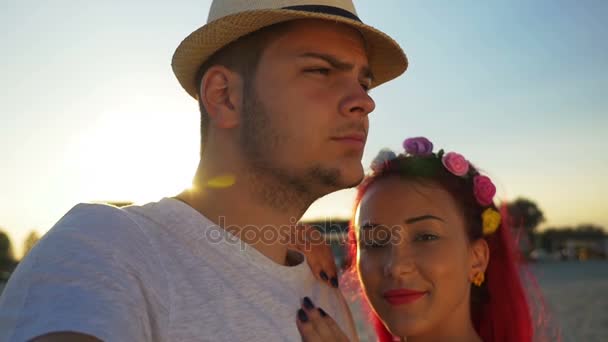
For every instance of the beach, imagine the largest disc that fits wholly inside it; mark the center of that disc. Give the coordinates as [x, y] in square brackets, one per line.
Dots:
[577, 295]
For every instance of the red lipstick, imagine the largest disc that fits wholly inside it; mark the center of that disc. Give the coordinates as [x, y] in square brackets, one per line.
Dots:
[402, 296]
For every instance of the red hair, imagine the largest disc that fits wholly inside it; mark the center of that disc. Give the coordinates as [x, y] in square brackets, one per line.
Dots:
[499, 308]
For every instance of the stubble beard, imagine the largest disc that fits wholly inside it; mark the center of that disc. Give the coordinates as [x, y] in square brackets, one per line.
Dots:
[278, 187]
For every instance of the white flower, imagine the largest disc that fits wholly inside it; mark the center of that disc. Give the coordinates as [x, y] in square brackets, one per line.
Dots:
[383, 156]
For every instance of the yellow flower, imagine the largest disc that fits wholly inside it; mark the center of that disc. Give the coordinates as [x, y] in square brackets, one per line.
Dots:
[491, 221]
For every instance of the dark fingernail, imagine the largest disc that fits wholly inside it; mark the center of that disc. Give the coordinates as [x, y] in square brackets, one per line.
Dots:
[334, 282]
[322, 312]
[324, 276]
[302, 316]
[308, 303]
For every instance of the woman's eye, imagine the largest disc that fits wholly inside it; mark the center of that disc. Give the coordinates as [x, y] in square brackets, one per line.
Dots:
[375, 244]
[375, 241]
[426, 237]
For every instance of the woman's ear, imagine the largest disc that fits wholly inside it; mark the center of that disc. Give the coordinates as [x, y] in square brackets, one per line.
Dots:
[221, 93]
[480, 257]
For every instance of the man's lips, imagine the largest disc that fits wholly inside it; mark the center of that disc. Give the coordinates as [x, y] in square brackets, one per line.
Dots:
[355, 139]
[402, 296]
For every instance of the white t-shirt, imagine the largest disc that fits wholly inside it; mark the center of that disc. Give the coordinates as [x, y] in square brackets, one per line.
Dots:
[158, 272]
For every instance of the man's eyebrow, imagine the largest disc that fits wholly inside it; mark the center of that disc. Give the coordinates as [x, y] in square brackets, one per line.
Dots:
[422, 218]
[338, 64]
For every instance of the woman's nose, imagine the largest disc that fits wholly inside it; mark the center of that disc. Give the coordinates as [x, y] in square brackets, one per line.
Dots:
[400, 261]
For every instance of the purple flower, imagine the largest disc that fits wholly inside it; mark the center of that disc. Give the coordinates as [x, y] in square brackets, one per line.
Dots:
[418, 146]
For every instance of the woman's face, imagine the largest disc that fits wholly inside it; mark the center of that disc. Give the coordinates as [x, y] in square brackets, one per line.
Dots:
[414, 258]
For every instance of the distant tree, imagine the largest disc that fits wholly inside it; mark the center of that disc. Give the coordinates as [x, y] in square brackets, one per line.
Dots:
[7, 259]
[30, 241]
[591, 230]
[525, 216]
[552, 239]
[583, 231]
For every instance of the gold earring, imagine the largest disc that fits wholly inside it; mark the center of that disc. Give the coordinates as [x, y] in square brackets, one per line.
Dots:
[478, 279]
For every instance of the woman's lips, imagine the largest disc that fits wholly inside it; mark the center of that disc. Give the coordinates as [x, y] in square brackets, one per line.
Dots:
[402, 296]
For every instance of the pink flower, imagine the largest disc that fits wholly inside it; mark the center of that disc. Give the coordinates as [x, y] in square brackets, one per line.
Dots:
[455, 163]
[484, 190]
[419, 146]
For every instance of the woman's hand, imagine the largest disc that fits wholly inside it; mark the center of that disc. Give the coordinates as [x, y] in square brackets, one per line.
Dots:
[315, 325]
[312, 243]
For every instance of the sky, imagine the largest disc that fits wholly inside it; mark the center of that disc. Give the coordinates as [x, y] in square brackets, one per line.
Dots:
[90, 109]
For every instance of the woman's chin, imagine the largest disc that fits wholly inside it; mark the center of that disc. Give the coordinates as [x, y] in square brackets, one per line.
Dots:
[403, 327]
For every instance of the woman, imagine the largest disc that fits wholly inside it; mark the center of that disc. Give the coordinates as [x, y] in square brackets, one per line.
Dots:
[434, 259]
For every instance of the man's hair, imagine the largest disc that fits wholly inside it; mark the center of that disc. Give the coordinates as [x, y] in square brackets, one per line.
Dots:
[241, 56]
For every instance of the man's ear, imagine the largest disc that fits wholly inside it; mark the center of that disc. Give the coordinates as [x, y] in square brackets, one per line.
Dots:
[221, 93]
[480, 257]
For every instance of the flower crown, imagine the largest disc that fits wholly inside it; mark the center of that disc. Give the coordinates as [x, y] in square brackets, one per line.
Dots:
[483, 188]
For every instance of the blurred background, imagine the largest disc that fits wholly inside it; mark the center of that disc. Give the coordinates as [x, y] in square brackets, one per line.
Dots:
[90, 111]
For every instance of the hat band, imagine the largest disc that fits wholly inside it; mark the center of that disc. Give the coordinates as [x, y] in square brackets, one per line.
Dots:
[325, 10]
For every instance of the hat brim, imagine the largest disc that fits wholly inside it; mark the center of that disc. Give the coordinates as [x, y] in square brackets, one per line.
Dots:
[386, 58]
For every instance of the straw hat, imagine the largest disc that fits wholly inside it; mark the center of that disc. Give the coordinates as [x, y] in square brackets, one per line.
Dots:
[231, 19]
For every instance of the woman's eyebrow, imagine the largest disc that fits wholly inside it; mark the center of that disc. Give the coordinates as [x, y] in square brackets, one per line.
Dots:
[370, 225]
[422, 218]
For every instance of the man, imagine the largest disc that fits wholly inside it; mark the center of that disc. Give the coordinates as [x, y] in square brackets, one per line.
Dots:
[283, 93]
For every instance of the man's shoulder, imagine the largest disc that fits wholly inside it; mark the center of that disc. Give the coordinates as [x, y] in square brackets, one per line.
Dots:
[95, 262]
[92, 219]
[95, 217]
[89, 227]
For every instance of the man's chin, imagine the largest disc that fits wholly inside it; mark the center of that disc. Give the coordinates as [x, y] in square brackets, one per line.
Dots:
[332, 179]
[350, 179]
[353, 180]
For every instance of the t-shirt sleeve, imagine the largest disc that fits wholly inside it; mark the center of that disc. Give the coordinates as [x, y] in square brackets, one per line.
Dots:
[89, 274]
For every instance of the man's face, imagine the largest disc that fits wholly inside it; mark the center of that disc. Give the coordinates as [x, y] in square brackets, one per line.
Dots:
[305, 113]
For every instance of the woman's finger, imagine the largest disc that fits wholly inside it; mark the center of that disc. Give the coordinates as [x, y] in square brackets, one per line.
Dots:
[321, 250]
[323, 331]
[306, 327]
[333, 326]
[320, 257]
[325, 327]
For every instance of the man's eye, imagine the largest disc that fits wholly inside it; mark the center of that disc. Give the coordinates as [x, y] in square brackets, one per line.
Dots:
[426, 237]
[321, 71]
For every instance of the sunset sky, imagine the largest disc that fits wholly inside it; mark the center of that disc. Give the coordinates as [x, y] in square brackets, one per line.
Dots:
[90, 109]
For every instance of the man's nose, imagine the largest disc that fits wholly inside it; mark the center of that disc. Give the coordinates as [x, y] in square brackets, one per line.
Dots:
[357, 101]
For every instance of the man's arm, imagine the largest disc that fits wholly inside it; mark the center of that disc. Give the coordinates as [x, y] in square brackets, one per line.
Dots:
[65, 337]
[90, 275]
